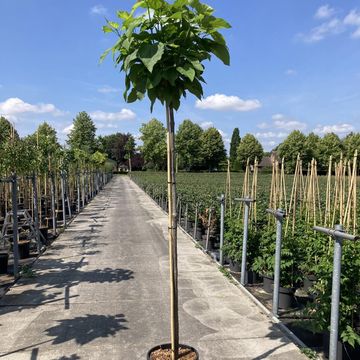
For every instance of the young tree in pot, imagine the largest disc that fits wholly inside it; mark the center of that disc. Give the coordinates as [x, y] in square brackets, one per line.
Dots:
[161, 52]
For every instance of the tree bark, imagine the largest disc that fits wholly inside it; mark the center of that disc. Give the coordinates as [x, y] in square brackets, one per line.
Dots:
[172, 231]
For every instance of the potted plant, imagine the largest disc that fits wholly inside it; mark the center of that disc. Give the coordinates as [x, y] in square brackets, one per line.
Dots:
[161, 49]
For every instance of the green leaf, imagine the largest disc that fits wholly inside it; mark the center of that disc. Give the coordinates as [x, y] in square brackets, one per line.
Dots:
[123, 15]
[176, 16]
[221, 51]
[197, 65]
[130, 58]
[180, 3]
[107, 29]
[219, 23]
[187, 70]
[170, 75]
[104, 54]
[113, 24]
[150, 54]
[155, 4]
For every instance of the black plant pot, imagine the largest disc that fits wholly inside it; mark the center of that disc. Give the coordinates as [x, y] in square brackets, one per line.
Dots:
[4, 259]
[286, 297]
[345, 351]
[309, 281]
[252, 277]
[268, 283]
[234, 266]
[45, 235]
[167, 347]
[24, 249]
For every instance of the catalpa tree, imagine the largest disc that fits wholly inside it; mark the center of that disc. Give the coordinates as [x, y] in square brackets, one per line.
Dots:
[161, 48]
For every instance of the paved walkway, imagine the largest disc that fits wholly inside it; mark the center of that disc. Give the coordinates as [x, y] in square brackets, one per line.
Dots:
[101, 292]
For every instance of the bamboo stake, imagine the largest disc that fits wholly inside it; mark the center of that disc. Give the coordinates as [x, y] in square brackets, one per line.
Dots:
[172, 225]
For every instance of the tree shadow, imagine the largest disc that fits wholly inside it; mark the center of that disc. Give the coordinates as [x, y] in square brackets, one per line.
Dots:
[71, 357]
[84, 329]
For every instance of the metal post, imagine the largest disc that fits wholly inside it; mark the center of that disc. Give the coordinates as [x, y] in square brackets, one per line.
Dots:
[279, 216]
[78, 192]
[247, 202]
[15, 225]
[339, 235]
[63, 197]
[195, 221]
[53, 212]
[186, 217]
[222, 216]
[36, 213]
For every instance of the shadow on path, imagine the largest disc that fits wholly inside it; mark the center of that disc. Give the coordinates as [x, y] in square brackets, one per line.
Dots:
[84, 329]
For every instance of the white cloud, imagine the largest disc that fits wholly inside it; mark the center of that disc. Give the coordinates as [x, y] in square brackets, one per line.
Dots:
[98, 10]
[280, 121]
[318, 33]
[290, 72]
[263, 125]
[206, 124]
[271, 135]
[107, 89]
[124, 114]
[67, 129]
[225, 136]
[353, 19]
[340, 129]
[105, 126]
[324, 12]
[15, 106]
[223, 102]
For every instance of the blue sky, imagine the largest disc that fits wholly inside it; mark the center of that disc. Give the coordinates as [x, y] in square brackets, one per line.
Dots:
[294, 65]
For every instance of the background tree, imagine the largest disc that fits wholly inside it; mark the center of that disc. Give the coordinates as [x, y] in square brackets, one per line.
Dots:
[115, 146]
[130, 150]
[153, 136]
[44, 141]
[249, 148]
[351, 143]
[289, 149]
[234, 144]
[311, 148]
[330, 144]
[188, 145]
[212, 148]
[82, 136]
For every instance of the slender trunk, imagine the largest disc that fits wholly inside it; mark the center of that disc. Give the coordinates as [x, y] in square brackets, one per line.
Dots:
[172, 229]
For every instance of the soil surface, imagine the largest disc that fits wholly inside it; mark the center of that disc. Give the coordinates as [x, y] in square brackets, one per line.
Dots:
[165, 354]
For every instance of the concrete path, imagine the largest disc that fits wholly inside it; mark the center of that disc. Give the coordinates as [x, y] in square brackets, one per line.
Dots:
[101, 292]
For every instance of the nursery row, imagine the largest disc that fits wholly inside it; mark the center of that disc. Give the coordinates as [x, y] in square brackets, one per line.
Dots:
[34, 209]
[306, 256]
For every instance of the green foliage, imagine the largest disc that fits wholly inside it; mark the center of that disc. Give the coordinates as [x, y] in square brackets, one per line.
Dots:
[330, 144]
[234, 144]
[46, 147]
[312, 144]
[212, 148]
[82, 136]
[188, 145]
[233, 238]
[115, 145]
[350, 144]
[290, 148]
[98, 159]
[162, 49]
[249, 148]
[153, 136]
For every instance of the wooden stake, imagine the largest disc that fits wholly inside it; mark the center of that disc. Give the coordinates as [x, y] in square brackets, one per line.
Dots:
[172, 232]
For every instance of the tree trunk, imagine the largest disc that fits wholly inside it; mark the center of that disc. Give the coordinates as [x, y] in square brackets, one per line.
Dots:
[172, 231]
